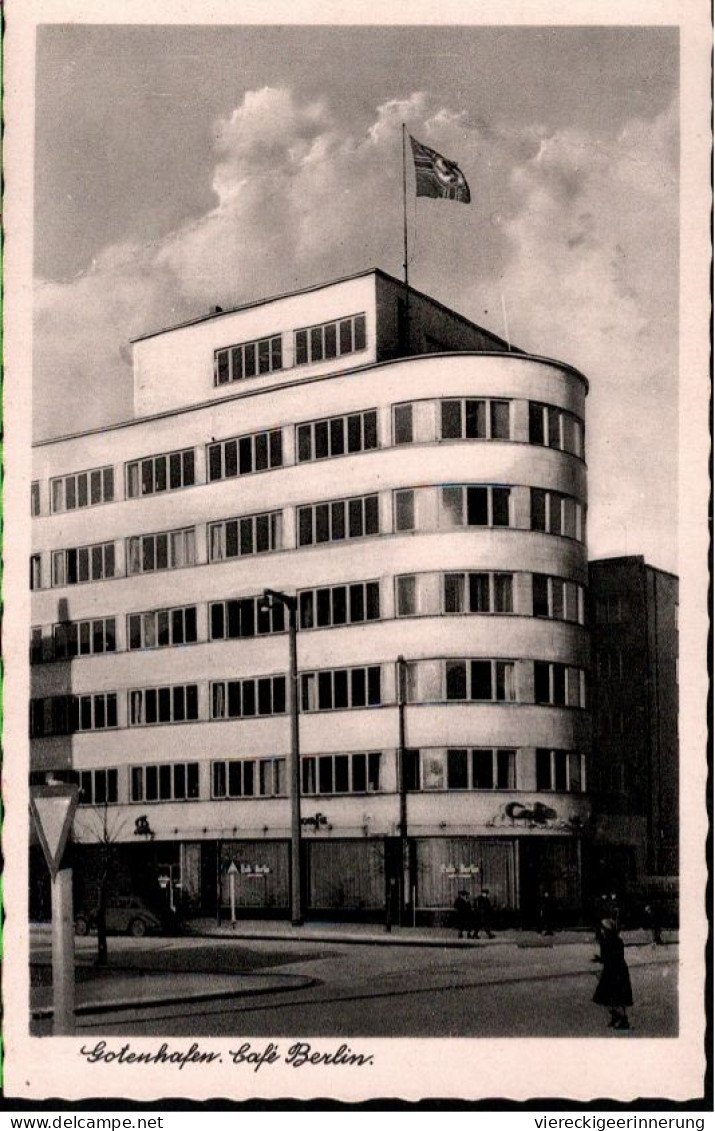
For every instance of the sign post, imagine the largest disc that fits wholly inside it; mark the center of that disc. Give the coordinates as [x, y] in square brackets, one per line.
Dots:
[232, 873]
[53, 808]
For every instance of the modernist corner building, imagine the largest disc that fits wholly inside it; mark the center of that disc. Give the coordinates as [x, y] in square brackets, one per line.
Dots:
[420, 487]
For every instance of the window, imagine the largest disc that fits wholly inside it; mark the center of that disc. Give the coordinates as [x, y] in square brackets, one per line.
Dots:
[241, 537]
[478, 592]
[245, 454]
[67, 714]
[491, 680]
[250, 359]
[402, 429]
[98, 787]
[610, 610]
[177, 781]
[35, 498]
[37, 648]
[460, 769]
[87, 563]
[339, 604]
[84, 638]
[341, 689]
[332, 339]
[553, 513]
[160, 473]
[559, 599]
[411, 770]
[265, 777]
[162, 628]
[83, 489]
[404, 510]
[151, 705]
[338, 520]
[247, 698]
[244, 617]
[151, 552]
[35, 572]
[559, 771]
[341, 773]
[475, 420]
[559, 685]
[337, 436]
[474, 506]
[406, 595]
[554, 428]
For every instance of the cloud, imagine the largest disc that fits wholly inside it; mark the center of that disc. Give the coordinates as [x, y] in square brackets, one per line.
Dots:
[578, 232]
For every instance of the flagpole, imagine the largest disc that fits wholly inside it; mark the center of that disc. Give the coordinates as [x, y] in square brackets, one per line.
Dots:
[404, 224]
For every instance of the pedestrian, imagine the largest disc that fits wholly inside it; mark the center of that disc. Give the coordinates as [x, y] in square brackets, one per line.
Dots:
[546, 914]
[614, 986]
[462, 913]
[483, 914]
[652, 922]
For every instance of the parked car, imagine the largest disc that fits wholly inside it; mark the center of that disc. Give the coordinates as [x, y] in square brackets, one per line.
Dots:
[124, 915]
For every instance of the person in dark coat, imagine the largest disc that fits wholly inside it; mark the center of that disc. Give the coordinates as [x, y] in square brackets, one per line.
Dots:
[652, 923]
[614, 985]
[483, 914]
[462, 914]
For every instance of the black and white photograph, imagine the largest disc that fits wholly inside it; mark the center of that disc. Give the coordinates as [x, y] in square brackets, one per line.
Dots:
[357, 483]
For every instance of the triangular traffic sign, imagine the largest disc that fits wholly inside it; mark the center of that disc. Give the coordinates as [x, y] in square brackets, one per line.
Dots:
[53, 808]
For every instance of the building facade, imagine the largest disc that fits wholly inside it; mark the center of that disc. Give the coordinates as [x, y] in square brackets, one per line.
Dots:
[421, 488]
[635, 759]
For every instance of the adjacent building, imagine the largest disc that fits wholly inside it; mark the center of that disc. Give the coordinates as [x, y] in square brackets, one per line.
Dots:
[420, 487]
[634, 771]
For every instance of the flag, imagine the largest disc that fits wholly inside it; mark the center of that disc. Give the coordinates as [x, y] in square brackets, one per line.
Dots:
[437, 176]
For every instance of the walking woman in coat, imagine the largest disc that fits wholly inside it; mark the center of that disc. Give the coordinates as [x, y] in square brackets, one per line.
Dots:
[614, 985]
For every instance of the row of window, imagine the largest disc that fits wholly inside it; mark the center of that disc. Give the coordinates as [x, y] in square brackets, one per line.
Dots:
[428, 770]
[315, 343]
[464, 592]
[459, 419]
[335, 689]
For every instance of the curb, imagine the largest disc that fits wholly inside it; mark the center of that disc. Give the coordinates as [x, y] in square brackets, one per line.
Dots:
[89, 1008]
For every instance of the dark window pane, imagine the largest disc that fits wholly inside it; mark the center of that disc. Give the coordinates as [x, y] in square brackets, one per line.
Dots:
[100, 714]
[477, 506]
[248, 694]
[249, 360]
[305, 446]
[233, 704]
[162, 628]
[276, 353]
[264, 697]
[454, 593]
[152, 783]
[322, 528]
[82, 497]
[405, 510]
[554, 432]
[500, 506]
[475, 420]
[239, 456]
[325, 691]
[147, 476]
[481, 678]
[538, 509]
[359, 773]
[262, 534]
[135, 640]
[235, 779]
[372, 517]
[301, 347]
[331, 341]
[316, 343]
[279, 695]
[357, 604]
[451, 420]
[559, 683]
[97, 562]
[355, 513]
[543, 769]
[360, 332]
[214, 462]
[346, 336]
[340, 601]
[248, 779]
[340, 689]
[357, 687]
[482, 769]
[177, 626]
[542, 689]
[479, 593]
[217, 621]
[179, 705]
[555, 504]
[261, 451]
[305, 526]
[500, 420]
[147, 553]
[164, 698]
[111, 710]
[411, 770]
[373, 600]
[264, 356]
[354, 433]
[95, 487]
[109, 559]
[536, 424]
[174, 472]
[190, 634]
[164, 783]
[369, 426]
[97, 636]
[192, 779]
[325, 775]
[457, 769]
[337, 437]
[337, 521]
[180, 782]
[503, 593]
[150, 706]
[306, 610]
[342, 776]
[192, 701]
[187, 467]
[560, 780]
[276, 448]
[108, 484]
[246, 536]
[222, 367]
[541, 595]
[506, 778]
[456, 680]
[403, 424]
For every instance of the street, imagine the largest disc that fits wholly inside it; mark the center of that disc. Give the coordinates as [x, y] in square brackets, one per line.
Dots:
[529, 987]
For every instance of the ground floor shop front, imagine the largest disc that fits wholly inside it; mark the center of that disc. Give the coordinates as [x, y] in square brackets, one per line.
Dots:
[414, 881]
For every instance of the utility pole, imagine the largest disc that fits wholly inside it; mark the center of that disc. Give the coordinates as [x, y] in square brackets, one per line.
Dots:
[291, 604]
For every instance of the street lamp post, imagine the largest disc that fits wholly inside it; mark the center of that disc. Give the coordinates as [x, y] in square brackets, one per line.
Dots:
[291, 604]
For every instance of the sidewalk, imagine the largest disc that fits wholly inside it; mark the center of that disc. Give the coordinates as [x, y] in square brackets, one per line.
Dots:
[375, 934]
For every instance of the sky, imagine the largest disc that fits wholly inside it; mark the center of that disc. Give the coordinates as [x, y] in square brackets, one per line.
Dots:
[177, 168]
